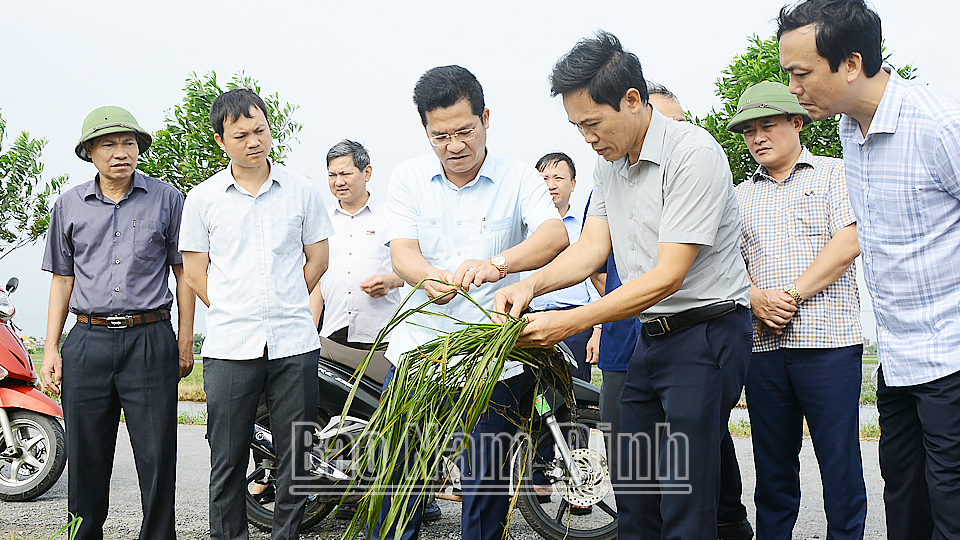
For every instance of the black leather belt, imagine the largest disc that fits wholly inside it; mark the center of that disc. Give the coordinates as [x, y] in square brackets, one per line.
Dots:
[125, 321]
[690, 317]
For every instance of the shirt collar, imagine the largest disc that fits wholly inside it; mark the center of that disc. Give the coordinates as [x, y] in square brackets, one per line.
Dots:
[93, 190]
[805, 161]
[227, 180]
[368, 206]
[887, 115]
[486, 171]
[652, 148]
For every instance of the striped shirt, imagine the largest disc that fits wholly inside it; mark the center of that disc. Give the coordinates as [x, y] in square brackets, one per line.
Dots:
[785, 225]
[904, 184]
[258, 296]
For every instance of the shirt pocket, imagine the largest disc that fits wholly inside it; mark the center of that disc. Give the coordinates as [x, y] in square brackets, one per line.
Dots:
[430, 238]
[287, 235]
[811, 215]
[148, 241]
[497, 235]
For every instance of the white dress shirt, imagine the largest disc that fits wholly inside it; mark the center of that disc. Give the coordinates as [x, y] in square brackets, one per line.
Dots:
[255, 284]
[358, 251]
[497, 210]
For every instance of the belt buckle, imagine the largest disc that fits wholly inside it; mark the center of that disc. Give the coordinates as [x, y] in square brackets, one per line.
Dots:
[119, 321]
[664, 327]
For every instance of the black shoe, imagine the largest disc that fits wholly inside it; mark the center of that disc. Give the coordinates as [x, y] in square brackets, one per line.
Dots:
[741, 530]
[346, 512]
[580, 510]
[432, 512]
[265, 496]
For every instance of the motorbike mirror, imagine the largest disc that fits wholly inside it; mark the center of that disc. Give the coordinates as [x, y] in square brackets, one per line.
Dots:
[12, 285]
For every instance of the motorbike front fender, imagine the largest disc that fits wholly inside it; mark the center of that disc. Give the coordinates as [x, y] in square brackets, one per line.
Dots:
[29, 398]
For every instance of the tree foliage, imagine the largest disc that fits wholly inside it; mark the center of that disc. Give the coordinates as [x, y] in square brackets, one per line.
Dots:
[24, 196]
[184, 152]
[761, 63]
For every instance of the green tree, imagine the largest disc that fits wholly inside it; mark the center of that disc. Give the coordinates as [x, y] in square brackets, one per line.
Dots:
[184, 153]
[197, 343]
[24, 196]
[761, 63]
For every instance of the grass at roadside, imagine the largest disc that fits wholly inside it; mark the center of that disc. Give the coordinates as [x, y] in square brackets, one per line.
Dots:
[191, 386]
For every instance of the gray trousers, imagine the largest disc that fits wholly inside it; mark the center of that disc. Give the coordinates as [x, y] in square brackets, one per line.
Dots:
[233, 390]
[105, 370]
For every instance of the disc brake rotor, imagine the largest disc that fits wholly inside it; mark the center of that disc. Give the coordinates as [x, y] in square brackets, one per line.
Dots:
[595, 476]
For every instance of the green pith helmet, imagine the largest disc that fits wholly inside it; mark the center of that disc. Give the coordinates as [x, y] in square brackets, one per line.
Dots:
[765, 99]
[107, 120]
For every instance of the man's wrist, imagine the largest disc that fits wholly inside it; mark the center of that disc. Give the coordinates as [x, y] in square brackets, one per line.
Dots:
[791, 289]
[500, 263]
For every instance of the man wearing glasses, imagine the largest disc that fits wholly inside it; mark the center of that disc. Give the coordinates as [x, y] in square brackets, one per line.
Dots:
[470, 218]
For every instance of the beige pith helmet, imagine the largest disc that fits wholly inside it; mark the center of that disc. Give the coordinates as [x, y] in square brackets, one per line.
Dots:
[107, 120]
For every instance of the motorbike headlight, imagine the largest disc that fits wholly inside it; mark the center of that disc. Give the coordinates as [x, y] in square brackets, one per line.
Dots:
[6, 307]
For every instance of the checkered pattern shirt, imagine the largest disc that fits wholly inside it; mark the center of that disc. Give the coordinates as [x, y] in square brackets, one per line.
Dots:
[784, 227]
[904, 184]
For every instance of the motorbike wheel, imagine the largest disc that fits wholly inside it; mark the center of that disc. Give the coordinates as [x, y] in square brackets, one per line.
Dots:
[261, 475]
[44, 456]
[554, 518]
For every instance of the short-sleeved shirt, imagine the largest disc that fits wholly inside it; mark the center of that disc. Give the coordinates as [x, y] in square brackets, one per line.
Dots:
[255, 284]
[904, 185]
[119, 253]
[679, 191]
[580, 294]
[495, 211]
[357, 251]
[785, 226]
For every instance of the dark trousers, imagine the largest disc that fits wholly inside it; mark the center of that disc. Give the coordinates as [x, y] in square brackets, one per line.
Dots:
[105, 370]
[920, 458]
[823, 385]
[674, 410]
[730, 507]
[578, 344]
[233, 390]
[484, 471]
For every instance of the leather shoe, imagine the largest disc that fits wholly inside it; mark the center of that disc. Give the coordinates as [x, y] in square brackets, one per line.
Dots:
[740, 530]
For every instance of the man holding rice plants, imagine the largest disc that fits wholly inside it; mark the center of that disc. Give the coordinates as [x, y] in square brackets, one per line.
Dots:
[471, 220]
[663, 202]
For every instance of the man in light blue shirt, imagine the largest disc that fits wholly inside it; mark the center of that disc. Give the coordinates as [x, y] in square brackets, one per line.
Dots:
[560, 174]
[901, 152]
[471, 219]
[254, 245]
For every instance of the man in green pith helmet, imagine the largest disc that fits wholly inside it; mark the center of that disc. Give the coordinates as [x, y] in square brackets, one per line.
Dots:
[799, 240]
[110, 248]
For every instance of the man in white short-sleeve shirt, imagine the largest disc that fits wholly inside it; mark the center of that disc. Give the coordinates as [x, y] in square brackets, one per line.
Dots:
[253, 238]
[359, 292]
[471, 219]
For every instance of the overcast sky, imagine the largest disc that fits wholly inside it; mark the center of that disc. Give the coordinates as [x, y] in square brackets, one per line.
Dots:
[351, 67]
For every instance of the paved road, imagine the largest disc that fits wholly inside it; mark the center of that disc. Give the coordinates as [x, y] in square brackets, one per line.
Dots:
[41, 518]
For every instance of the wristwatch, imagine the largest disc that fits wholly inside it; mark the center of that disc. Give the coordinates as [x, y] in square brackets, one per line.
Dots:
[501, 263]
[791, 289]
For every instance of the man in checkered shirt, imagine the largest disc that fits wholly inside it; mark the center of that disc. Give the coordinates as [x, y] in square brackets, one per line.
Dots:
[901, 151]
[799, 240]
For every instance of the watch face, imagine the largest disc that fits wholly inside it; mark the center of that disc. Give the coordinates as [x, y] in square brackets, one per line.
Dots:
[498, 260]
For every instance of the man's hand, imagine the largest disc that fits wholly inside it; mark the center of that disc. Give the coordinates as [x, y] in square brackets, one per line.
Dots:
[593, 347]
[186, 356]
[474, 272]
[51, 371]
[438, 290]
[380, 284]
[511, 300]
[774, 309]
[545, 329]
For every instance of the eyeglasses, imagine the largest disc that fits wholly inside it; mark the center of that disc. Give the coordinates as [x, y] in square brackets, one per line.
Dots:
[463, 135]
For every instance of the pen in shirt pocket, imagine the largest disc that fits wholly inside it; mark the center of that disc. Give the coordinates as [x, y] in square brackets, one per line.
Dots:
[483, 223]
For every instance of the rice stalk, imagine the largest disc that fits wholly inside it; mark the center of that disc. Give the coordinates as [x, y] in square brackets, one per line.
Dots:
[439, 390]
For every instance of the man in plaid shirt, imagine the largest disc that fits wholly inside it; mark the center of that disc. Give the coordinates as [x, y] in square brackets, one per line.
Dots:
[799, 240]
[901, 152]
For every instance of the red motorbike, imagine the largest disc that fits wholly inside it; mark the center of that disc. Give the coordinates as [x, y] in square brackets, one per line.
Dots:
[32, 447]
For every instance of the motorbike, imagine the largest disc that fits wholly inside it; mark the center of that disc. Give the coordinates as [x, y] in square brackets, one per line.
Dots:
[555, 450]
[32, 449]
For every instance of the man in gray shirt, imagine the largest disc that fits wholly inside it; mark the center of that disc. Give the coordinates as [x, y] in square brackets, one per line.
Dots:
[110, 247]
[663, 201]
